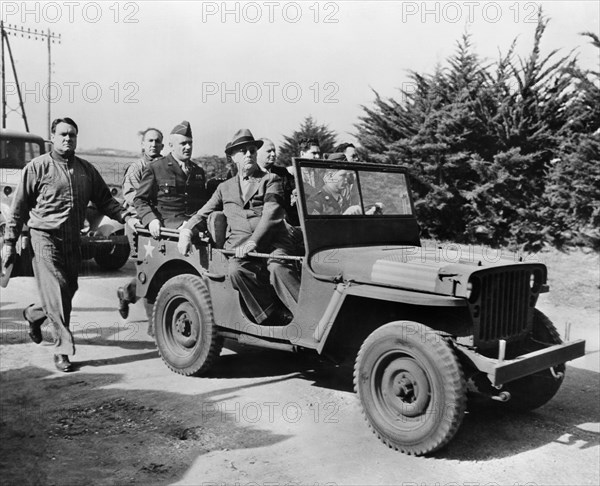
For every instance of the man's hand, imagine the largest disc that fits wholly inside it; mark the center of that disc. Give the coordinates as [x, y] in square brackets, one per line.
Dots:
[353, 210]
[132, 223]
[245, 248]
[8, 256]
[154, 228]
[377, 208]
[184, 244]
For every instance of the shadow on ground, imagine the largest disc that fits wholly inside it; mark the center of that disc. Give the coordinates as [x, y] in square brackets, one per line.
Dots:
[70, 429]
[571, 418]
[126, 335]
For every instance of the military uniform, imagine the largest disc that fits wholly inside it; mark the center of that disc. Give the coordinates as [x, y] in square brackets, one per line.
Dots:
[288, 185]
[131, 181]
[167, 193]
[326, 202]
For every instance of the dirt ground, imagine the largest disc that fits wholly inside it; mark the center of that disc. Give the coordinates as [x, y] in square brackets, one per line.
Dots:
[265, 417]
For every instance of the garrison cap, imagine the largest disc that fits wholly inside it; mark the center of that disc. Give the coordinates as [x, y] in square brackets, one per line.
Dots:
[337, 156]
[182, 128]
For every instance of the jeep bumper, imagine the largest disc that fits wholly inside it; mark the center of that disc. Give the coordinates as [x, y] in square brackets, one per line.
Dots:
[502, 371]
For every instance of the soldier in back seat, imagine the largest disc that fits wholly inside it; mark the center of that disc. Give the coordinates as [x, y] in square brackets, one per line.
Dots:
[172, 189]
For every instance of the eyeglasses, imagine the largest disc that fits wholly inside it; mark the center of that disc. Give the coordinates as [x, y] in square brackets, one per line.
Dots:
[247, 148]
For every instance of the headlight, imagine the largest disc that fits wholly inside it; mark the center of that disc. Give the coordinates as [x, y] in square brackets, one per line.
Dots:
[114, 191]
[535, 281]
[473, 289]
[7, 190]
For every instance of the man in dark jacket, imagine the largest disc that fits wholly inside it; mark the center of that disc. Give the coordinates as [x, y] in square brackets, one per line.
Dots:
[172, 189]
[51, 199]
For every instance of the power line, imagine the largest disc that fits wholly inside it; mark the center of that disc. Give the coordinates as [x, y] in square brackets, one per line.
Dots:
[45, 36]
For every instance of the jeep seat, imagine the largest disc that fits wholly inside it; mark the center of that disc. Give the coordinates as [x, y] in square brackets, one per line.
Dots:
[217, 228]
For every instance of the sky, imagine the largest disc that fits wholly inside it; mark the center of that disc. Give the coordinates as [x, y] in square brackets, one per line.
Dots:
[124, 66]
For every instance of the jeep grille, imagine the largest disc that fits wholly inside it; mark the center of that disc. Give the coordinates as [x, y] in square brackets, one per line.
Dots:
[502, 302]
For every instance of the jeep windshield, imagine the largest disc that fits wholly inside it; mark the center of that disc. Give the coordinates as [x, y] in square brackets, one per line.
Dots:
[336, 191]
[354, 204]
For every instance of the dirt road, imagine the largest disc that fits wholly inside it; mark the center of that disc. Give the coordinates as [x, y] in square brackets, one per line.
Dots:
[262, 417]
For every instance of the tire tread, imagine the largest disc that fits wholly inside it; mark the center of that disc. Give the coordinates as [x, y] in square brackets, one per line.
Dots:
[215, 342]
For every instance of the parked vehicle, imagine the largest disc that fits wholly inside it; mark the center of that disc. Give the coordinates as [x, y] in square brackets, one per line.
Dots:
[418, 323]
[103, 238]
[16, 150]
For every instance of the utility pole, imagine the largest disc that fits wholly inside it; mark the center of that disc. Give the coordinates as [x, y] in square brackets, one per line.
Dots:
[51, 38]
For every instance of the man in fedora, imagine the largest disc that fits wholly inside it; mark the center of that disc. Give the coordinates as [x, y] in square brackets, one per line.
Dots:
[171, 190]
[253, 205]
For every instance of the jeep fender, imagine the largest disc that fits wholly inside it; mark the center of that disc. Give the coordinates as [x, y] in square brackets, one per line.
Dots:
[377, 293]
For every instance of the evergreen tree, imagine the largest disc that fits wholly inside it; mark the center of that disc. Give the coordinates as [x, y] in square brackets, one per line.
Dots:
[572, 200]
[308, 129]
[478, 140]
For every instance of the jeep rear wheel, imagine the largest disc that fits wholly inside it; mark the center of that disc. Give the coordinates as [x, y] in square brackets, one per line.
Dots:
[411, 387]
[185, 333]
[533, 391]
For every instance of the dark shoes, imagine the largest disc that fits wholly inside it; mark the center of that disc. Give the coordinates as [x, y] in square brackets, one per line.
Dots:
[123, 303]
[280, 317]
[62, 363]
[35, 327]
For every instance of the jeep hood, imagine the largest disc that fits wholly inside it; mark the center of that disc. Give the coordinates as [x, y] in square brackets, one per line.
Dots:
[444, 270]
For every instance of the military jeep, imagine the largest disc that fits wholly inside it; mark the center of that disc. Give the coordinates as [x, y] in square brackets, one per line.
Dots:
[418, 323]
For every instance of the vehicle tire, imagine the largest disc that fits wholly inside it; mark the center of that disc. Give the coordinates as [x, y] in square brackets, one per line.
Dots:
[411, 387]
[533, 391]
[114, 257]
[184, 330]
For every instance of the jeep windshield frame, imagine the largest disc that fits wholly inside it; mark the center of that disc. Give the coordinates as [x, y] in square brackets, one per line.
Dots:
[386, 219]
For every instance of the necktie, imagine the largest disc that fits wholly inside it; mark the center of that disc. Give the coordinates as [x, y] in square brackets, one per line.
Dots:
[245, 183]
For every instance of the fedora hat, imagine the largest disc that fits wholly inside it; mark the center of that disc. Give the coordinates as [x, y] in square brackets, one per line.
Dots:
[242, 137]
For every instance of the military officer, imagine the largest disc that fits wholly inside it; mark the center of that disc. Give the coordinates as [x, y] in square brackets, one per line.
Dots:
[333, 197]
[171, 190]
[152, 145]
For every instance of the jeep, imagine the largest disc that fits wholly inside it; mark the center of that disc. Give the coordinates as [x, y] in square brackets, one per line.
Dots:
[420, 324]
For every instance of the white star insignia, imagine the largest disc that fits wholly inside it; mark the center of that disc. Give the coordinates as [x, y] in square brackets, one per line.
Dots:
[149, 249]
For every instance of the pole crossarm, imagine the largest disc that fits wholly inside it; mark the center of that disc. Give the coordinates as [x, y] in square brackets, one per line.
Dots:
[16, 31]
[20, 31]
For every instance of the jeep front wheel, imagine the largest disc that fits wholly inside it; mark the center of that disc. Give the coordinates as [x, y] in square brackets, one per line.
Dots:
[411, 387]
[185, 333]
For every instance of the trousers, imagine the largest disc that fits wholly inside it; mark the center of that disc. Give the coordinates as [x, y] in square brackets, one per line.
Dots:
[56, 262]
[261, 285]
